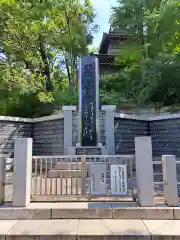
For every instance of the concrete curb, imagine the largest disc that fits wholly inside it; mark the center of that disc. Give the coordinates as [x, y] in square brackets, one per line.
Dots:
[89, 229]
[156, 213]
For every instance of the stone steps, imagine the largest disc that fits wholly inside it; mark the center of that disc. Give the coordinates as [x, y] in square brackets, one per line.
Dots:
[77, 229]
[45, 211]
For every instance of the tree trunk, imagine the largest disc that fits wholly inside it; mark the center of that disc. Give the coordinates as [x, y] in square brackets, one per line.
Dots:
[46, 68]
[71, 85]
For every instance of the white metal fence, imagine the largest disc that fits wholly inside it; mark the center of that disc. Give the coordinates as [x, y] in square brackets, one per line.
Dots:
[70, 175]
[66, 175]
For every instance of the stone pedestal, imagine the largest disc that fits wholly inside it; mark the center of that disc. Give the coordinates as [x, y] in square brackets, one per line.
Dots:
[170, 180]
[83, 150]
[68, 125]
[144, 171]
[22, 172]
[109, 128]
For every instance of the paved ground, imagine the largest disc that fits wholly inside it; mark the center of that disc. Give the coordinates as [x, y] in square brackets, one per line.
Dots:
[89, 229]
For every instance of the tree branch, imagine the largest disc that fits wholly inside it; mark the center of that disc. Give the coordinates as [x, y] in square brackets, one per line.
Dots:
[46, 67]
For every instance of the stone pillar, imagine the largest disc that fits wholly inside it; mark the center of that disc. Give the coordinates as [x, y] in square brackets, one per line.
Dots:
[2, 179]
[144, 171]
[109, 128]
[22, 172]
[68, 127]
[170, 180]
[88, 101]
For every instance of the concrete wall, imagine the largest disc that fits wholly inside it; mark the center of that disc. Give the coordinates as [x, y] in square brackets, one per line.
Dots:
[125, 132]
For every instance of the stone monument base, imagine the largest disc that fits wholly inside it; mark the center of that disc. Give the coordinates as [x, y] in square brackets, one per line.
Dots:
[84, 150]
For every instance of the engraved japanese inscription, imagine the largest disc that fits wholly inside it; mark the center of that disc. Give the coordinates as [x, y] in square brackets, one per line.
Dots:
[88, 151]
[88, 102]
[98, 178]
[119, 179]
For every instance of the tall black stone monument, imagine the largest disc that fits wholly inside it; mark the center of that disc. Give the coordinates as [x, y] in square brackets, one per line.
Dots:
[89, 100]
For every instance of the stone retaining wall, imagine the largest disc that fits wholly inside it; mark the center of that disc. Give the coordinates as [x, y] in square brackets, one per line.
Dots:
[125, 132]
[165, 137]
[48, 133]
[9, 131]
[48, 138]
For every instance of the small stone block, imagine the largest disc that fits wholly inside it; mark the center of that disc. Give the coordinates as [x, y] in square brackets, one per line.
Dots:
[69, 108]
[177, 213]
[88, 150]
[93, 228]
[82, 213]
[44, 228]
[108, 107]
[128, 228]
[5, 226]
[112, 228]
[19, 213]
[162, 229]
[143, 213]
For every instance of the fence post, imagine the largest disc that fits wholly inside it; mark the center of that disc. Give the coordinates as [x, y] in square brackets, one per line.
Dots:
[170, 180]
[109, 128]
[68, 127]
[83, 167]
[144, 171]
[2, 179]
[22, 172]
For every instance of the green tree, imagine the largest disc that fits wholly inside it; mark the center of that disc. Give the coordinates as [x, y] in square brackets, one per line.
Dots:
[149, 61]
[40, 42]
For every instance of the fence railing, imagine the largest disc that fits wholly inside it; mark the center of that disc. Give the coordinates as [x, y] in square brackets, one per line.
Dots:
[158, 177]
[70, 175]
[63, 175]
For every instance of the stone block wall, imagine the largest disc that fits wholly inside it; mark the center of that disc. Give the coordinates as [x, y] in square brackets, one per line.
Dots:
[9, 131]
[48, 138]
[48, 134]
[125, 132]
[165, 137]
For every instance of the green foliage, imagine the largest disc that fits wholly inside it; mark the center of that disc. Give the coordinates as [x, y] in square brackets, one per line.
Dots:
[40, 42]
[149, 61]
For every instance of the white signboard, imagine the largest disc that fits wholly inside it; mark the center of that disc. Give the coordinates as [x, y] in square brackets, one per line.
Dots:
[118, 180]
[98, 178]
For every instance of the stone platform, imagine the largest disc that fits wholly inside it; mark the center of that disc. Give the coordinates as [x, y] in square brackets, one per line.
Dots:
[77, 229]
[88, 210]
[89, 220]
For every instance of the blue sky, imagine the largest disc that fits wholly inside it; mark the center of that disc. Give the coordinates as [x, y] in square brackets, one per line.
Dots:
[103, 11]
